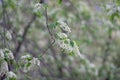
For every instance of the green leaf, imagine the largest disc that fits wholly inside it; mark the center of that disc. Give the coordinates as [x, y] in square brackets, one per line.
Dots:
[6, 51]
[29, 59]
[12, 4]
[72, 43]
[39, 14]
[59, 1]
[28, 64]
[71, 53]
[12, 78]
[66, 41]
[52, 25]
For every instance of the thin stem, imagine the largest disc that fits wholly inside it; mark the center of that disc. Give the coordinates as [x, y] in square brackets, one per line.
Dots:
[46, 16]
[47, 48]
[4, 24]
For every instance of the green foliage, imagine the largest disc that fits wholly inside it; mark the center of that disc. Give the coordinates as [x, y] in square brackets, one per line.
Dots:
[59, 1]
[72, 43]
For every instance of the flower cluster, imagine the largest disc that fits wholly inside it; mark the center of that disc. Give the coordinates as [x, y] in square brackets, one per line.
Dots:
[61, 35]
[29, 62]
[3, 67]
[6, 53]
[8, 35]
[5, 56]
[113, 10]
[37, 7]
[11, 76]
[63, 41]
[64, 26]
[65, 45]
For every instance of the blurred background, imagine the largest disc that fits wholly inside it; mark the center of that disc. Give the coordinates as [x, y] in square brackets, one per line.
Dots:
[93, 27]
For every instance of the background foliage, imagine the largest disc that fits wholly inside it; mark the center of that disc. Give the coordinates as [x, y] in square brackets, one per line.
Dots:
[95, 26]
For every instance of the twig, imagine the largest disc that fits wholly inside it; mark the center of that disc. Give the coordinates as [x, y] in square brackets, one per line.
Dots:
[4, 24]
[46, 16]
[47, 48]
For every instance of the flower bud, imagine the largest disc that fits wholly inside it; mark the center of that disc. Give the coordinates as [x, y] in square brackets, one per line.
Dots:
[64, 26]
[8, 35]
[11, 75]
[3, 67]
[8, 54]
[1, 54]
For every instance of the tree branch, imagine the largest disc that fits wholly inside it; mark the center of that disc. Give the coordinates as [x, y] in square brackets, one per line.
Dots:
[24, 36]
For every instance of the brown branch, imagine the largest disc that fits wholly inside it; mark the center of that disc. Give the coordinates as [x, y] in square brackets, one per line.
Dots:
[46, 16]
[47, 48]
[4, 23]
[24, 36]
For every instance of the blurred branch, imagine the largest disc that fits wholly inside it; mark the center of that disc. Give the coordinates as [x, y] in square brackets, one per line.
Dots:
[17, 49]
[4, 24]
[107, 50]
[48, 48]
[3, 75]
[34, 45]
[46, 16]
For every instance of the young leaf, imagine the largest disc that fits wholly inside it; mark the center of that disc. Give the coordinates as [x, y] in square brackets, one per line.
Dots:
[72, 43]
[52, 25]
[59, 1]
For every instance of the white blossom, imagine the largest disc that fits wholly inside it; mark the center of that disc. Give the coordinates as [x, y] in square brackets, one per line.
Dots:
[64, 26]
[8, 35]
[69, 48]
[26, 56]
[61, 35]
[61, 44]
[8, 54]
[109, 6]
[30, 65]
[66, 46]
[118, 8]
[37, 7]
[1, 54]
[29, 62]
[35, 61]
[112, 11]
[27, 68]
[11, 75]
[3, 67]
